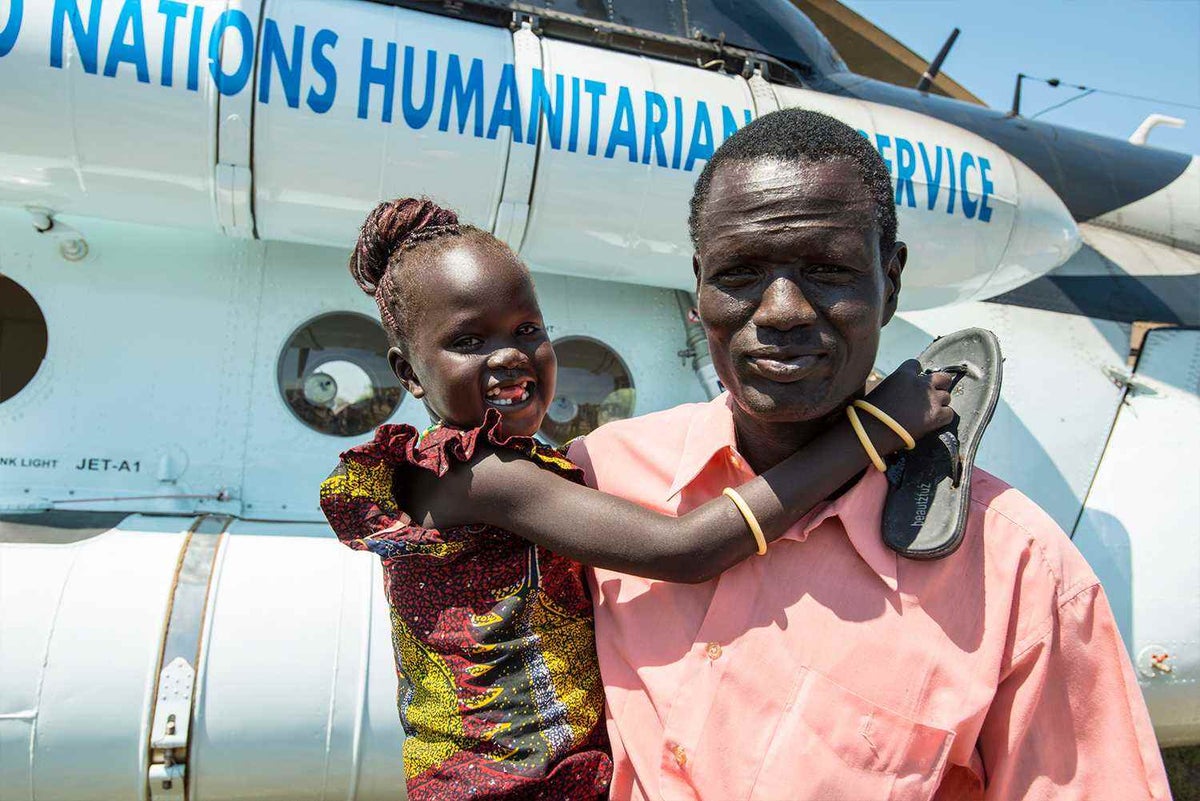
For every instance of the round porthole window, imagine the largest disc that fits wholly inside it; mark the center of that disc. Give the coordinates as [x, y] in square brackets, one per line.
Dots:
[594, 388]
[22, 338]
[334, 375]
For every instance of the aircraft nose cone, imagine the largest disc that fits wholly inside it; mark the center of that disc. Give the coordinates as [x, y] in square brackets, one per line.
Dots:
[1044, 235]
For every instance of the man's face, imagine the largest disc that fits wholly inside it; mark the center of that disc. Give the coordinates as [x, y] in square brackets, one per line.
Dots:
[791, 285]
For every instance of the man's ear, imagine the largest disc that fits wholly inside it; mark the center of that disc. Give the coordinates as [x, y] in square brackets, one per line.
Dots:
[893, 266]
[403, 370]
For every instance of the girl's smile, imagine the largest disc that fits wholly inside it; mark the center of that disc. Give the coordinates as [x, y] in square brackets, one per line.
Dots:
[508, 394]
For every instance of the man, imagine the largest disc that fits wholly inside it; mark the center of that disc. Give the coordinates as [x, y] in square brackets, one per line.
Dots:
[830, 667]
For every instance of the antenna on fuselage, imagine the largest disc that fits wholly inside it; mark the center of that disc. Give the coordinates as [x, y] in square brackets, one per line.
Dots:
[935, 66]
[1054, 83]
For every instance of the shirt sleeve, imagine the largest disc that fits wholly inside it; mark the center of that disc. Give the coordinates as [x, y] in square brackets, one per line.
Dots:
[577, 452]
[1068, 720]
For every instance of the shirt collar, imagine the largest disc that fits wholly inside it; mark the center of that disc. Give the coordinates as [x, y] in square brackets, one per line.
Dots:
[709, 432]
[859, 509]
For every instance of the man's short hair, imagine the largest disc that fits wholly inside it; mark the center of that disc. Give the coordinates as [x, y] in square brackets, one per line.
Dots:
[795, 134]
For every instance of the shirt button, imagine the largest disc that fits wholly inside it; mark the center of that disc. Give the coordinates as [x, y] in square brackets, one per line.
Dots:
[680, 755]
[713, 651]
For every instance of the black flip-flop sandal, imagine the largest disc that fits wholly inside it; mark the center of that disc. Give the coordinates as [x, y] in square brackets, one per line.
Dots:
[925, 515]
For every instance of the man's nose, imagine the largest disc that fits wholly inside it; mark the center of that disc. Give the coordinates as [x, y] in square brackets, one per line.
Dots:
[784, 306]
[507, 359]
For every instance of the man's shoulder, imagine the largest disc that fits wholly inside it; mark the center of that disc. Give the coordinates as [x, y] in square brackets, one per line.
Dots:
[1022, 541]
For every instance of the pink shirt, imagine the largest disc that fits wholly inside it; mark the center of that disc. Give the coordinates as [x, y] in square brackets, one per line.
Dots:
[833, 669]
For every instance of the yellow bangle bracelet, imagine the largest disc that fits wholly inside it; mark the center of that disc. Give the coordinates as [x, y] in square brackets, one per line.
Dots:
[868, 446]
[889, 421]
[748, 516]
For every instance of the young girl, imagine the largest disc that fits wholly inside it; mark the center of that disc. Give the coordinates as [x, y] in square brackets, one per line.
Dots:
[482, 530]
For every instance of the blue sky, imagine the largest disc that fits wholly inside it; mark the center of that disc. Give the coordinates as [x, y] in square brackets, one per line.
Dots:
[1140, 47]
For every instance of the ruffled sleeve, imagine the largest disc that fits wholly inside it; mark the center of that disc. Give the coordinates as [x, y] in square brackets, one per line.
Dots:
[359, 499]
[444, 446]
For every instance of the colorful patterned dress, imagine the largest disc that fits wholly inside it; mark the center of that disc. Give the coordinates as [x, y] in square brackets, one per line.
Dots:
[500, 693]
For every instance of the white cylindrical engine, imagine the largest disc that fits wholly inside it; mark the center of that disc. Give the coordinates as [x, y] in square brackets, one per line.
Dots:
[294, 685]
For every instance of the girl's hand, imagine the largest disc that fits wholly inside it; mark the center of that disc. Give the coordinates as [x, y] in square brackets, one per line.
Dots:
[918, 401]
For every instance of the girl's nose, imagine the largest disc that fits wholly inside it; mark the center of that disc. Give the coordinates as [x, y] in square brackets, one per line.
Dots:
[507, 359]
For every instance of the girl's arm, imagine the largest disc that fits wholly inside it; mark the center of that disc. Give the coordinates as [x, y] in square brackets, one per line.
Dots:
[508, 491]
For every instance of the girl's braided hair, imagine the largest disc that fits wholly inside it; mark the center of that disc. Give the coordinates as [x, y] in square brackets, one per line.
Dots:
[393, 229]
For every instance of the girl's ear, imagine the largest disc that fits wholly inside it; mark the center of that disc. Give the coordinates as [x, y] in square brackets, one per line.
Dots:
[404, 371]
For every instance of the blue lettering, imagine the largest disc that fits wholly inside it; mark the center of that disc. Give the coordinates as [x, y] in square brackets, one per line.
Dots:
[950, 172]
[86, 38]
[234, 82]
[129, 21]
[8, 34]
[729, 123]
[554, 111]
[193, 78]
[677, 153]
[906, 165]
[701, 148]
[656, 123]
[596, 89]
[417, 116]
[969, 206]
[466, 93]
[173, 11]
[370, 75]
[985, 211]
[289, 67]
[573, 138]
[933, 180]
[322, 102]
[506, 110]
[882, 143]
[624, 131]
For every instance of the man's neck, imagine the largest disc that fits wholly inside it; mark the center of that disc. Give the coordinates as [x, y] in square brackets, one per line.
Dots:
[765, 444]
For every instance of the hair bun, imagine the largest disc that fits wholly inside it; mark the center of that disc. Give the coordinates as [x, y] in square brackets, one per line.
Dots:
[386, 228]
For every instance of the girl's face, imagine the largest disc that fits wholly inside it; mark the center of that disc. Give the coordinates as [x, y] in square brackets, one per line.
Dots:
[477, 340]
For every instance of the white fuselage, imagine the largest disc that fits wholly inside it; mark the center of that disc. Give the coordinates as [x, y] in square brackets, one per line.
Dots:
[217, 203]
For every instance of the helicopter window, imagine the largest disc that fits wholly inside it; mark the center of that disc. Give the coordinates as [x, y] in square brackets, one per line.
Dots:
[666, 18]
[334, 375]
[594, 388]
[661, 17]
[773, 27]
[22, 338]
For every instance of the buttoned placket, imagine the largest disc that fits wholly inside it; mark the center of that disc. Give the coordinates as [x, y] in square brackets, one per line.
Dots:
[712, 653]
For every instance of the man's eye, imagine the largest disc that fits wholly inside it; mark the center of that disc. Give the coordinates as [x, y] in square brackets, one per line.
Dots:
[735, 276]
[827, 269]
[527, 329]
[467, 343]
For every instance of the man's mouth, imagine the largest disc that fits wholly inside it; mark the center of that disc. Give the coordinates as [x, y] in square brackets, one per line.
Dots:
[783, 367]
[507, 394]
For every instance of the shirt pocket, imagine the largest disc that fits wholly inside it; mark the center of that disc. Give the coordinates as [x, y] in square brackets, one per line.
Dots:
[831, 743]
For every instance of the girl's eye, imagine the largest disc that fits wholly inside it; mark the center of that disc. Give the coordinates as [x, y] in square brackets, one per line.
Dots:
[527, 329]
